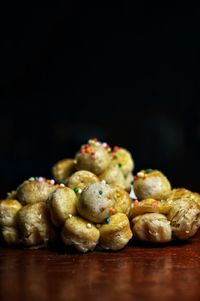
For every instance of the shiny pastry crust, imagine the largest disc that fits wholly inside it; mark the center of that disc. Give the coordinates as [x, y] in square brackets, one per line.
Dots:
[145, 206]
[152, 227]
[63, 169]
[8, 212]
[95, 202]
[122, 200]
[34, 191]
[116, 234]
[152, 185]
[82, 178]
[184, 216]
[80, 233]
[34, 224]
[62, 202]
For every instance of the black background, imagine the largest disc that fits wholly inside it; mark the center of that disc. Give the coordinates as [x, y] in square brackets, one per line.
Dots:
[127, 74]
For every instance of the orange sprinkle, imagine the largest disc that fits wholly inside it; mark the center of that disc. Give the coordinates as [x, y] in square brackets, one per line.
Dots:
[116, 148]
[136, 202]
[112, 210]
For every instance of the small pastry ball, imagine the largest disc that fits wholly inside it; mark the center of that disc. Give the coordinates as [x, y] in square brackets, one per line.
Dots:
[80, 179]
[180, 193]
[122, 200]
[151, 184]
[113, 175]
[62, 202]
[116, 234]
[80, 233]
[123, 159]
[34, 224]
[8, 212]
[95, 202]
[35, 190]
[63, 169]
[94, 157]
[184, 216]
[145, 206]
[152, 227]
[10, 235]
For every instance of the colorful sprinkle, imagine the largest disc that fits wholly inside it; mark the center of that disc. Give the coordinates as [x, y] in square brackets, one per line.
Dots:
[100, 192]
[40, 179]
[116, 148]
[155, 204]
[69, 215]
[112, 210]
[52, 182]
[62, 185]
[119, 165]
[148, 170]
[136, 202]
[76, 190]
[107, 220]
[32, 179]
[140, 174]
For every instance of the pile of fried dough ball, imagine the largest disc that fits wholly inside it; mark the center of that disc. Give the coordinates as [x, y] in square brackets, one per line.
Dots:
[95, 201]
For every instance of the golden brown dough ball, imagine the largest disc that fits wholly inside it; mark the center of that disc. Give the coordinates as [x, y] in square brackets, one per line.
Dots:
[122, 200]
[96, 201]
[80, 179]
[8, 212]
[152, 227]
[93, 156]
[63, 169]
[62, 203]
[116, 234]
[80, 233]
[10, 235]
[35, 190]
[123, 159]
[151, 184]
[128, 181]
[145, 206]
[113, 175]
[184, 216]
[34, 224]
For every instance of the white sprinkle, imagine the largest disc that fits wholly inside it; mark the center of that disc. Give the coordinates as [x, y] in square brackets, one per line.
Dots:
[89, 226]
[62, 185]
[40, 179]
[140, 174]
[187, 231]
[104, 144]
[69, 215]
[98, 143]
[32, 179]
[103, 182]
[52, 182]
[79, 190]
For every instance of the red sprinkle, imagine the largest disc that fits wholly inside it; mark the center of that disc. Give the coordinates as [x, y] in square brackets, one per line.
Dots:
[116, 148]
[136, 202]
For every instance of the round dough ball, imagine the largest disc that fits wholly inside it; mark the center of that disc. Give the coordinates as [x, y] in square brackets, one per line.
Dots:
[79, 233]
[184, 216]
[81, 179]
[123, 159]
[8, 212]
[123, 200]
[116, 234]
[62, 203]
[95, 202]
[152, 227]
[151, 185]
[34, 224]
[113, 175]
[10, 235]
[35, 190]
[94, 157]
[63, 169]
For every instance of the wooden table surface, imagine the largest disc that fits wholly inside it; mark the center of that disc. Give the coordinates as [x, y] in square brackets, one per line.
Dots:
[139, 272]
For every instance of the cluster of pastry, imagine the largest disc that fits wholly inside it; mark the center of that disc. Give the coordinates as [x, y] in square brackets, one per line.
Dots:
[91, 202]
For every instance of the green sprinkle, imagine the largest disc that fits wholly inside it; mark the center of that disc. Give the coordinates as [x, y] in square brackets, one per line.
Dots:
[100, 192]
[148, 170]
[107, 220]
[120, 165]
[116, 156]
[76, 190]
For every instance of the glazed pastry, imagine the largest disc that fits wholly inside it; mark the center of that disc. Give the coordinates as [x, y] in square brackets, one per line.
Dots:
[151, 184]
[184, 216]
[116, 233]
[113, 175]
[80, 233]
[8, 212]
[93, 156]
[63, 169]
[152, 227]
[122, 200]
[62, 203]
[81, 179]
[145, 206]
[35, 190]
[123, 159]
[96, 201]
[10, 235]
[34, 225]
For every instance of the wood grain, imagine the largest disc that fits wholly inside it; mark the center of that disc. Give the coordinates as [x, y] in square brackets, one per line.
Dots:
[139, 272]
